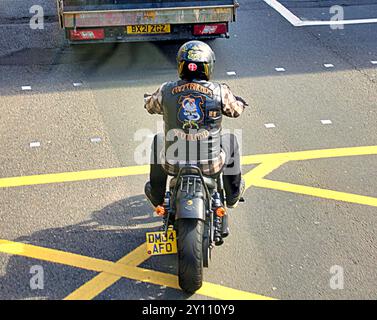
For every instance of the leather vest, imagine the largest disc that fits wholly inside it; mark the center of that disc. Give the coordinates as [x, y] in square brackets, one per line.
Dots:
[193, 117]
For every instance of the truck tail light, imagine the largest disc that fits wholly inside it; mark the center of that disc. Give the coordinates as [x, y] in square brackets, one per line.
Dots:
[210, 29]
[90, 34]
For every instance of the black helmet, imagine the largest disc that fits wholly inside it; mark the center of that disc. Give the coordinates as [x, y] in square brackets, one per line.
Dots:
[195, 61]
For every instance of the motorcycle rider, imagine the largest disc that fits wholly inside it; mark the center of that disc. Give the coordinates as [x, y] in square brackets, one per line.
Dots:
[192, 109]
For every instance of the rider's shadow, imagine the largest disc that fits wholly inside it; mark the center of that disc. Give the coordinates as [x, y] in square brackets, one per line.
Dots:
[109, 234]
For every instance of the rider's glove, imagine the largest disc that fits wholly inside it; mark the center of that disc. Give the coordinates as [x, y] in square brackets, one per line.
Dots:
[242, 100]
[146, 97]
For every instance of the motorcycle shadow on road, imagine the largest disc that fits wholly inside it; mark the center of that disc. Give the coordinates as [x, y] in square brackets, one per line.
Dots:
[109, 234]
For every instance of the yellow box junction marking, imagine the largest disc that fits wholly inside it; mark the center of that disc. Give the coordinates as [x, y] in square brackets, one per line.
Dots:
[310, 154]
[316, 192]
[73, 176]
[268, 163]
[111, 272]
[104, 280]
[271, 162]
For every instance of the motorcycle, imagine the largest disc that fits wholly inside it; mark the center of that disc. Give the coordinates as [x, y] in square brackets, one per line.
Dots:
[195, 207]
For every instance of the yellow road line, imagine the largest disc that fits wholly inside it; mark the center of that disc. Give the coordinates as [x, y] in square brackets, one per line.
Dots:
[208, 289]
[56, 256]
[310, 154]
[261, 171]
[104, 280]
[93, 287]
[316, 192]
[116, 269]
[139, 170]
[218, 292]
[72, 176]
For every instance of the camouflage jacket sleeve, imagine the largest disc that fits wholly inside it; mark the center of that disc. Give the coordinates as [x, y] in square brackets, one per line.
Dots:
[153, 102]
[233, 106]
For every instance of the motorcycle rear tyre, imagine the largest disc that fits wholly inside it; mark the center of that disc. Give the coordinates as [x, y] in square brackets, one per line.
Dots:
[190, 254]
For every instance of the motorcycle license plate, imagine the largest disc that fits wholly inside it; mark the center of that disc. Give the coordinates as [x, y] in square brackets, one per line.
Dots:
[159, 243]
[148, 29]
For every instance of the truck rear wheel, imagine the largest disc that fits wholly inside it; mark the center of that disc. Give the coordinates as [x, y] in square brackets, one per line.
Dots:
[190, 254]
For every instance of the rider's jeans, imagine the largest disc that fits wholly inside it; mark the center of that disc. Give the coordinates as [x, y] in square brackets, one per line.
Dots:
[231, 170]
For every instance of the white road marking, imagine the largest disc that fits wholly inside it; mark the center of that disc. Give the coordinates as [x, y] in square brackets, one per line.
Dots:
[26, 88]
[328, 65]
[280, 69]
[284, 12]
[297, 22]
[373, 62]
[95, 140]
[270, 125]
[77, 84]
[326, 121]
[231, 73]
[35, 144]
[333, 23]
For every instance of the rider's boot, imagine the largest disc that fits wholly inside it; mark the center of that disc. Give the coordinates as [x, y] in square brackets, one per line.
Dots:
[234, 197]
[152, 199]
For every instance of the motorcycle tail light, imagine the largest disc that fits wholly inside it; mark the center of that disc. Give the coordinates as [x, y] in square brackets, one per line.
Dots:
[220, 212]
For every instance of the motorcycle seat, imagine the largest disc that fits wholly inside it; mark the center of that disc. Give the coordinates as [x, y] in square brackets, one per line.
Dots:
[211, 183]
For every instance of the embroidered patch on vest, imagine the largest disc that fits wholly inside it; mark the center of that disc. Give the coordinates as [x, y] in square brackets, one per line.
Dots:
[192, 86]
[190, 111]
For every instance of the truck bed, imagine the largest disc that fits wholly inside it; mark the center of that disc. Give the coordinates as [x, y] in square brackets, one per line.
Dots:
[88, 13]
[111, 20]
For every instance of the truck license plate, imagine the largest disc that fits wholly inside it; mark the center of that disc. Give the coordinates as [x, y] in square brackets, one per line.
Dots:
[148, 29]
[159, 243]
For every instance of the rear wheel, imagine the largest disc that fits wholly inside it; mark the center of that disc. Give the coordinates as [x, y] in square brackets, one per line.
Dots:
[206, 245]
[190, 254]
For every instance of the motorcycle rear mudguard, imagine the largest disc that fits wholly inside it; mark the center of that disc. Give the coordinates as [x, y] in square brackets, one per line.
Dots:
[191, 193]
[190, 208]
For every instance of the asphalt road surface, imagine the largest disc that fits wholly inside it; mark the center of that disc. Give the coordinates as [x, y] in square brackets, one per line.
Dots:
[309, 141]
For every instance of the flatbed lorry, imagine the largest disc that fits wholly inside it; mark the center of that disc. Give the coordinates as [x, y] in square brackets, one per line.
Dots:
[101, 21]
